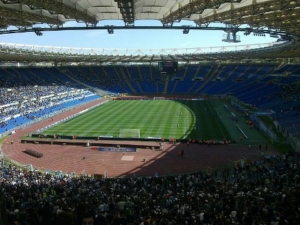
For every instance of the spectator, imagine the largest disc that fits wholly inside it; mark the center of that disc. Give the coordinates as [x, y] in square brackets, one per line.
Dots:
[249, 193]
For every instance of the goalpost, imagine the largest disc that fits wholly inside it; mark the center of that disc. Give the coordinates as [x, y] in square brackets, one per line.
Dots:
[129, 133]
[159, 98]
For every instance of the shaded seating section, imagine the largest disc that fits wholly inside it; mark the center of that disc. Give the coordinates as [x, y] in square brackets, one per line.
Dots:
[282, 97]
[224, 79]
[105, 78]
[242, 81]
[287, 69]
[286, 105]
[190, 78]
[132, 78]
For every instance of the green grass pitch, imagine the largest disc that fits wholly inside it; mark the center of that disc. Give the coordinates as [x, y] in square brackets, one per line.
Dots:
[195, 119]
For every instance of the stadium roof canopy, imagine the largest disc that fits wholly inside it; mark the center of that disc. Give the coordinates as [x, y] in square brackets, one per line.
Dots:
[271, 16]
[274, 14]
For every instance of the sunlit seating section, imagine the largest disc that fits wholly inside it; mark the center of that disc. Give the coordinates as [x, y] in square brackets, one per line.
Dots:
[30, 94]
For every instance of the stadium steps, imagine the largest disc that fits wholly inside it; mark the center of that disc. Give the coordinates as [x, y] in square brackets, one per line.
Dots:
[224, 71]
[197, 71]
[33, 74]
[139, 86]
[260, 74]
[156, 87]
[33, 79]
[166, 84]
[208, 78]
[139, 72]
[286, 69]
[117, 73]
[250, 92]
[233, 72]
[109, 76]
[96, 75]
[52, 75]
[128, 73]
[230, 84]
[127, 81]
[199, 78]
[151, 77]
[174, 87]
[243, 73]
[221, 71]
[185, 72]
[209, 88]
[104, 72]
[16, 74]
[71, 76]
[193, 86]
[297, 70]
[119, 78]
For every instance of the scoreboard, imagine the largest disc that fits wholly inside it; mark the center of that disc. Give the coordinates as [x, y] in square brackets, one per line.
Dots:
[167, 67]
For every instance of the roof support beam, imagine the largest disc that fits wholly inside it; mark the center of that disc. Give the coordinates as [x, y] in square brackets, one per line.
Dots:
[127, 10]
[194, 6]
[59, 7]
[17, 13]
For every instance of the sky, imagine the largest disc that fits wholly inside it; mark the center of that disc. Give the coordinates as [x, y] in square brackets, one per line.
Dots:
[131, 39]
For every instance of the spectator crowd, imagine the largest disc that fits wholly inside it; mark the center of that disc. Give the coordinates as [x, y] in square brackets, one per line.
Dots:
[21, 104]
[264, 191]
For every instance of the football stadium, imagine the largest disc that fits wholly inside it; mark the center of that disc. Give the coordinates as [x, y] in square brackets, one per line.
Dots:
[203, 135]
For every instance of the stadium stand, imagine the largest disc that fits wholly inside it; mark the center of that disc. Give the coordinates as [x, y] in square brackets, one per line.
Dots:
[262, 86]
[248, 193]
[258, 192]
[28, 95]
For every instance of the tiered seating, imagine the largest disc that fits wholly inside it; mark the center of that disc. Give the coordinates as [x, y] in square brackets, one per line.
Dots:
[287, 68]
[115, 81]
[271, 104]
[264, 190]
[264, 86]
[288, 107]
[27, 95]
[193, 76]
[147, 85]
[131, 77]
[223, 80]
[82, 74]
